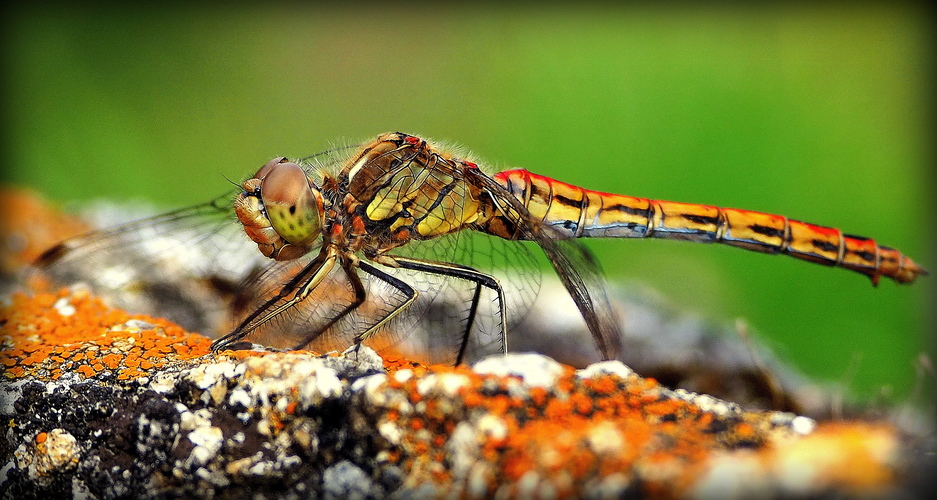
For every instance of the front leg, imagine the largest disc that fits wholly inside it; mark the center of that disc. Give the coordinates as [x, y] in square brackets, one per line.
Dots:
[296, 290]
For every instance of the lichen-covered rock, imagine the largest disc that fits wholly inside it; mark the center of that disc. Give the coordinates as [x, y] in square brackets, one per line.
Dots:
[102, 404]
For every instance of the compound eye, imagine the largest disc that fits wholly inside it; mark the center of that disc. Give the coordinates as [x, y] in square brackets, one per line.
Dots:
[264, 170]
[292, 204]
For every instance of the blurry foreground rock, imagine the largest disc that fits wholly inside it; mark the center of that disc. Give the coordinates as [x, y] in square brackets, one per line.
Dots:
[99, 403]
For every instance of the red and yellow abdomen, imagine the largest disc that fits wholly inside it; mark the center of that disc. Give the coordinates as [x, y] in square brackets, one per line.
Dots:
[581, 213]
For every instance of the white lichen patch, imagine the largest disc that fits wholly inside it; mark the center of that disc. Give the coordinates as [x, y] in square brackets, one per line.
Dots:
[270, 382]
[605, 368]
[321, 383]
[207, 440]
[445, 384]
[273, 376]
[377, 394]
[209, 374]
[371, 386]
[49, 453]
[64, 307]
[492, 427]
[464, 448]
[163, 382]
[239, 396]
[605, 439]
[706, 402]
[803, 425]
[403, 376]
[536, 370]
[390, 431]
[732, 476]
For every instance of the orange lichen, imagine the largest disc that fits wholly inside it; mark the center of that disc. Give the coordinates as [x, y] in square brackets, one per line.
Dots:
[30, 226]
[45, 335]
[577, 431]
[394, 361]
[581, 403]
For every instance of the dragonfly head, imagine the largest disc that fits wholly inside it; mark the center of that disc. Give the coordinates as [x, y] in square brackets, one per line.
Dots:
[293, 205]
[281, 210]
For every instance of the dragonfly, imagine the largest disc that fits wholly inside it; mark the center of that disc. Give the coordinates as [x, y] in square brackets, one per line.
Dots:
[358, 237]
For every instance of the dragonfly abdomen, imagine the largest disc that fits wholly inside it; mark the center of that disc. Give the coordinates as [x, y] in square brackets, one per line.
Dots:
[582, 213]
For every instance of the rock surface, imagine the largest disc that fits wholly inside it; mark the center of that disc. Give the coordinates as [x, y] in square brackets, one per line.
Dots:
[103, 404]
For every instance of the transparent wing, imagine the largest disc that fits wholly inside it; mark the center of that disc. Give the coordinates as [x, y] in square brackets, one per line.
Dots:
[574, 265]
[187, 265]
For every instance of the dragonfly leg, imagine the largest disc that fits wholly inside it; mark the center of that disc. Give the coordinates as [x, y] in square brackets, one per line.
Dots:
[471, 321]
[360, 295]
[466, 273]
[401, 286]
[299, 286]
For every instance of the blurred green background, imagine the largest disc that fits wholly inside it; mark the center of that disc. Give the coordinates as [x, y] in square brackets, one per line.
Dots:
[822, 114]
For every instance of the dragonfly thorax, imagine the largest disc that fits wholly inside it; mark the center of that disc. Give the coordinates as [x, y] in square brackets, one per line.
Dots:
[281, 210]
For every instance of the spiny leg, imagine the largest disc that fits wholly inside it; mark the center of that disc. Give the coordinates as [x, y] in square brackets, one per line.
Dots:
[360, 296]
[400, 285]
[471, 320]
[300, 286]
[466, 273]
